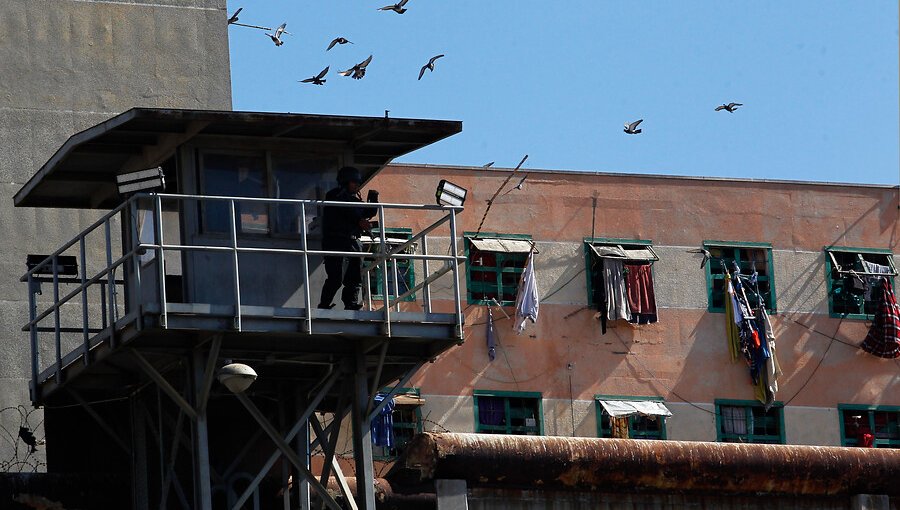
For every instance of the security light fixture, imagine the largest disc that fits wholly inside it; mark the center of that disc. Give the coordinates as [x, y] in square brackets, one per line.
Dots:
[237, 377]
[450, 194]
[141, 180]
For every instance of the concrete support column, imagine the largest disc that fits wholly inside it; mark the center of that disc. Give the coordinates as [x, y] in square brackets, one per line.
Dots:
[362, 436]
[451, 494]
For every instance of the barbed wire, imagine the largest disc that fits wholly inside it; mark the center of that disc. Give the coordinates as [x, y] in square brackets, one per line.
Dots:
[24, 442]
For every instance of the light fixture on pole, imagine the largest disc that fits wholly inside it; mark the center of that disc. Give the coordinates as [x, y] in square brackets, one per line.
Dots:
[141, 180]
[450, 194]
[237, 377]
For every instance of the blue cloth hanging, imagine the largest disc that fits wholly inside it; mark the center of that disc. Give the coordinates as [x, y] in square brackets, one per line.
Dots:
[382, 426]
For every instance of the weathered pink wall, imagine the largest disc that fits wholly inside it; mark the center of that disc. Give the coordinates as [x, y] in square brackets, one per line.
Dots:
[686, 352]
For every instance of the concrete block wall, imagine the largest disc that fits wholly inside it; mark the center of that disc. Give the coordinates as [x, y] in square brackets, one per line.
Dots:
[69, 65]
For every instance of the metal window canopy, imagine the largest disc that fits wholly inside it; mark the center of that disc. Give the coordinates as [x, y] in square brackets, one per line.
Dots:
[82, 173]
[617, 251]
[625, 408]
[504, 245]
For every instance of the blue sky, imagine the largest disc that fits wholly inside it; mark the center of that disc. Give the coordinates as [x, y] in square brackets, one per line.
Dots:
[557, 80]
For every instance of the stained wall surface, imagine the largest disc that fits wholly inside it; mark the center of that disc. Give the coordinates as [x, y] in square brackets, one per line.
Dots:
[68, 65]
[683, 358]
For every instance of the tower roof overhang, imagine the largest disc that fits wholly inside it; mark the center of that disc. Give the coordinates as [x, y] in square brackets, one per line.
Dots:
[82, 173]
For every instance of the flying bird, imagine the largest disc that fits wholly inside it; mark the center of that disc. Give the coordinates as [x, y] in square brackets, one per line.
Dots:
[706, 255]
[234, 17]
[338, 40]
[397, 7]
[730, 107]
[318, 79]
[276, 37]
[28, 438]
[429, 65]
[357, 71]
[630, 128]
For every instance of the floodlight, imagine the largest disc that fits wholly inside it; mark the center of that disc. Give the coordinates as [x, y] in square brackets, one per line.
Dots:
[450, 194]
[237, 377]
[141, 180]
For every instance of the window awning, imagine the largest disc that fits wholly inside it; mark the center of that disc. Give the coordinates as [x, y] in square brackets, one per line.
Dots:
[617, 252]
[624, 408]
[503, 245]
[408, 400]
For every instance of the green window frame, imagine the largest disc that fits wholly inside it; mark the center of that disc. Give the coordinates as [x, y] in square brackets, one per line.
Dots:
[746, 254]
[517, 407]
[405, 271]
[845, 305]
[591, 261]
[883, 422]
[758, 425]
[639, 427]
[407, 423]
[493, 274]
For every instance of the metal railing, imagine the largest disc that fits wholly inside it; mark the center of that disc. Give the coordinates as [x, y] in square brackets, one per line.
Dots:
[127, 257]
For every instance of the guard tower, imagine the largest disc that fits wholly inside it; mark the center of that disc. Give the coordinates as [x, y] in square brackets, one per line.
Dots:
[132, 319]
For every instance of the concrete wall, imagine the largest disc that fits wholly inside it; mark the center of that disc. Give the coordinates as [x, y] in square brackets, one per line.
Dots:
[683, 357]
[68, 65]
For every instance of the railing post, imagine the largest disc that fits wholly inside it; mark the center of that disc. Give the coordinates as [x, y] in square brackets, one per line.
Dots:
[237, 274]
[136, 298]
[56, 332]
[384, 266]
[160, 261]
[426, 290]
[111, 285]
[455, 268]
[396, 282]
[85, 316]
[35, 352]
[305, 247]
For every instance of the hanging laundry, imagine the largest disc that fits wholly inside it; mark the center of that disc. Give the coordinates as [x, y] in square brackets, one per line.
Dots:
[616, 295]
[640, 293]
[883, 339]
[619, 427]
[491, 340]
[732, 333]
[773, 369]
[527, 301]
[598, 286]
[382, 426]
[872, 287]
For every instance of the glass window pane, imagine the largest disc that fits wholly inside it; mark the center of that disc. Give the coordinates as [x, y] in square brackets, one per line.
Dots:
[299, 177]
[236, 176]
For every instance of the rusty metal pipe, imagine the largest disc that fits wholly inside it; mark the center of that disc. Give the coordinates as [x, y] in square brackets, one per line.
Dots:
[626, 464]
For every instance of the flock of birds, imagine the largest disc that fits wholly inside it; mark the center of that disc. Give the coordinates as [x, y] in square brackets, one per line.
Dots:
[356, 72]
[631, 128]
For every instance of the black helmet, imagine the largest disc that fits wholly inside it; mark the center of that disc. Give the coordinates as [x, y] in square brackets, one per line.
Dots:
[349, 174]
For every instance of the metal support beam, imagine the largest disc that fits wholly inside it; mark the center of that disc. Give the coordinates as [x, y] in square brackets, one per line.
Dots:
[100, 421]
[163, 384]
[362, 435]
[301, 444]
[286, 450]
[301, 422]
[140, 488]
[403, 382]
[209, 372]
[331, 462]
[202, 484]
